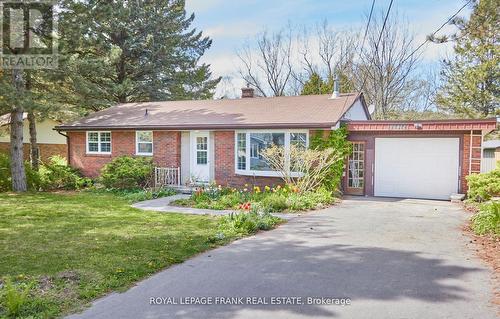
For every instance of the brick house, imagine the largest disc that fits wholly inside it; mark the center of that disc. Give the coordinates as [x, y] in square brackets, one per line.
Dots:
[220, 140]
[49, 141]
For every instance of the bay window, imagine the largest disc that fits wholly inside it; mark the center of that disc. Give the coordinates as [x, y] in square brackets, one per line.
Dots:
[99, 142]
[144, 142]
[250, 144]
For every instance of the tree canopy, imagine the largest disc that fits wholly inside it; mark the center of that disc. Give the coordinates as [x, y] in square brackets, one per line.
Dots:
[129, 51]
[472, 77]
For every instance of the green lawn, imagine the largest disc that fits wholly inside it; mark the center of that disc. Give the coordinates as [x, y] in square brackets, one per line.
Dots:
[75, 247]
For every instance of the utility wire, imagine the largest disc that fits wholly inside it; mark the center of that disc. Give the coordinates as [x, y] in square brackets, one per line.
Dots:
[435, 32]
[378, 41]
[366, 29]
[362, 43]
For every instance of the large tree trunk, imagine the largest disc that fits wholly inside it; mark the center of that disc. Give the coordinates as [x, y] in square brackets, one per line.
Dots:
[35, 155]
[16, 139]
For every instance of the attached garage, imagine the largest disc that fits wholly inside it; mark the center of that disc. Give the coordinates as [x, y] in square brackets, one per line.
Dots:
[414, 159]
[416, 167]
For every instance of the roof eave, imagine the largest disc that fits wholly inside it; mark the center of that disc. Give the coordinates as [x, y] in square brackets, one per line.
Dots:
[198, 127]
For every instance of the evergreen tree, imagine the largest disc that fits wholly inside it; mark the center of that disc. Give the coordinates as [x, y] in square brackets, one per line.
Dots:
[316, 85]
[471, 87]
[127, 51]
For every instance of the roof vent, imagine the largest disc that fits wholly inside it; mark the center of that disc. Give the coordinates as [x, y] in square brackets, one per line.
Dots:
[336, 87]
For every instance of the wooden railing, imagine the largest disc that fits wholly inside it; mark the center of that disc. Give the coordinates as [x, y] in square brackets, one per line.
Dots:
[167, 176]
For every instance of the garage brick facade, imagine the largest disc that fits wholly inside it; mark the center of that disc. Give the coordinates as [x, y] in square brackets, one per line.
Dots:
[469, 133]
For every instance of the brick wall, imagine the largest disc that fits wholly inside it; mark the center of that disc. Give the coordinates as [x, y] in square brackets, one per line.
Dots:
[476, 153]
[46, 150]
[166, 150]
[224, 164]
[369, 138]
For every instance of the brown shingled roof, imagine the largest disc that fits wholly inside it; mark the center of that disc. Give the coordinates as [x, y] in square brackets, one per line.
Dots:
[307, 111]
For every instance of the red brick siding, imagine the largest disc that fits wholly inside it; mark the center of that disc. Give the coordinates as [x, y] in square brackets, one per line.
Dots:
[166, 150]
[476, 153]
[46, 150]
[224, 164]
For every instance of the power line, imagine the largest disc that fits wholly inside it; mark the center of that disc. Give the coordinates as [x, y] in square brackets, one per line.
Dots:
[366, 29]
[363, 42]
[435, 32]
[378, 41]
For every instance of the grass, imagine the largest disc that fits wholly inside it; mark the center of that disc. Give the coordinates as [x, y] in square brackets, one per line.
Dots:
[487, 220]
[70, 248]
[135, 195]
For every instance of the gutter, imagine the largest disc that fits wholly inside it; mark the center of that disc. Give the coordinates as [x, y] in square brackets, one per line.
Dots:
[197, 127]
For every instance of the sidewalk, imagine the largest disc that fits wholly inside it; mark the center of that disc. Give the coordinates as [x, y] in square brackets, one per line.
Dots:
[163, 205]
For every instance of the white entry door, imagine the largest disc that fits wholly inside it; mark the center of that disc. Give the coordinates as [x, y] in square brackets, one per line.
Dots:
[416, 167]
[200, 159]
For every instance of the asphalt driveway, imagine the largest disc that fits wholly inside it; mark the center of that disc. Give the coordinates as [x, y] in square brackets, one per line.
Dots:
[391, 258]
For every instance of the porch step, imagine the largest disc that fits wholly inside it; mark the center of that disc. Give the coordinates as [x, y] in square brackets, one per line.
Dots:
[184, 189]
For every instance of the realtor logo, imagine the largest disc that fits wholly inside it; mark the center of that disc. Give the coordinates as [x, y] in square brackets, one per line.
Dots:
[28, 34]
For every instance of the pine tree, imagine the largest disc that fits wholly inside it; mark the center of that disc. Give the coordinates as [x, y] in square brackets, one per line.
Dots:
[316, 85]
[127, 51]
[471, 78]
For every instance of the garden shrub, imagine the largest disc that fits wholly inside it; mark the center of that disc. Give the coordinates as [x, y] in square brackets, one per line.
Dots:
[484, 186]
[242, 224]
[270, 200]
[5, 180]
[274, 203]
[487, 220]
[57, 174]
[310, 200]
[126, 172]
[337, 140]
[14, 298]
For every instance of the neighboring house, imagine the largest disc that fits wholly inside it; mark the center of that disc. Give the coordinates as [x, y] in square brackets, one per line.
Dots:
[49, 141]
[491, 155]
[219, 140]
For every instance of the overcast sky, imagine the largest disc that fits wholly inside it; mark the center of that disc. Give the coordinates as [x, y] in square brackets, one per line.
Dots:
[231, 22]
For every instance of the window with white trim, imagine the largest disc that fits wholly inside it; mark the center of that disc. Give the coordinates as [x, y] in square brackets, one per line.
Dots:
[99, 142]
[144, 142]
[249, 145]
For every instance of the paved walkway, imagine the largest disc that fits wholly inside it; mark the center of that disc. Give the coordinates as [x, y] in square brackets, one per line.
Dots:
[392, 258]
[163, 205]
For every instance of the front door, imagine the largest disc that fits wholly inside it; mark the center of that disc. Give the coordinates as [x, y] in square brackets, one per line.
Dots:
[356, 169]
[200, 160]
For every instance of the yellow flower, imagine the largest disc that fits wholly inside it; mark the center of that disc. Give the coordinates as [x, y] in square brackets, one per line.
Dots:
[246, 185]
[267, 188]
[256, 189]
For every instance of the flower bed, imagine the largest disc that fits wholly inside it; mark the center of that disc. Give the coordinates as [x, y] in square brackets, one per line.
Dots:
[267, 200]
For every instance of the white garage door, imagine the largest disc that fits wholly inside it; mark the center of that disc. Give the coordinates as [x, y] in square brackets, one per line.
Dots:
[416, 167]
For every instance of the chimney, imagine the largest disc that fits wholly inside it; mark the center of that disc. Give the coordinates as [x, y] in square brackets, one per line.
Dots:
[247, 92]
[336, 87]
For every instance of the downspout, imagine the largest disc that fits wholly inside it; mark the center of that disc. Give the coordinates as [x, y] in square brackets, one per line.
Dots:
[67, 143]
